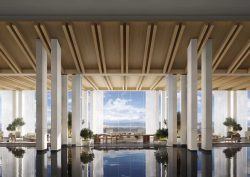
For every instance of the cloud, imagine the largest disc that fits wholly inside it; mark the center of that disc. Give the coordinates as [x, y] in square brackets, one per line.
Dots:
[122, 109]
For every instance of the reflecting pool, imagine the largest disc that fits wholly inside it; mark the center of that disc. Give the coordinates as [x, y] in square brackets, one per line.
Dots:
[154, 162]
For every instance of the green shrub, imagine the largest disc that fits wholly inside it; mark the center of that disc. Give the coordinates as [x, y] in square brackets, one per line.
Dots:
[162, 133]
[86, 133]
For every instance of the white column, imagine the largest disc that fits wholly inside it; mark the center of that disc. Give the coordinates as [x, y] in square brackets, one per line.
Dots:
[192, 95]
[76, 109]
[228, 104]
[41, 96]
[85, 109]
[56, 98]
[183, 109]
[152, 112]
[234, 104]
[20, 104]
[64, 110]
[90, 113]
[14, 103]
[97, 106]
[172, 108]
[163, 108]
[206, 76]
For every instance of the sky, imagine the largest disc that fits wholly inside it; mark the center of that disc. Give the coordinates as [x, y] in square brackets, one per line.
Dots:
[124, 109]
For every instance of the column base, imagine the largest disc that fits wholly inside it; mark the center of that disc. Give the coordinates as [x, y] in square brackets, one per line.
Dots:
[64, 145]
[42, 151]
[55, 151]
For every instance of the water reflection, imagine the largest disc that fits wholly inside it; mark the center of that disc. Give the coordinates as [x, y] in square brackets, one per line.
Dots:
[162, 162]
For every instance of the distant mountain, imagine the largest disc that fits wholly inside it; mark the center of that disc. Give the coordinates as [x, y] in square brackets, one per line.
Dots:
[124, 123]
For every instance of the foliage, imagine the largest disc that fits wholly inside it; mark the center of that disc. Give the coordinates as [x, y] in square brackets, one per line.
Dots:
[161, 156]
[69, 120]
[17, 123]
[86, 133]
[231, 152]
[162, 133]
[17, 152]
[87, 157]
[231, 123]
[237, 127]
[178, 120]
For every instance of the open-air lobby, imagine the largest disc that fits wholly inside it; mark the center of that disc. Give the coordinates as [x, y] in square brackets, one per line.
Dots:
[154, 88]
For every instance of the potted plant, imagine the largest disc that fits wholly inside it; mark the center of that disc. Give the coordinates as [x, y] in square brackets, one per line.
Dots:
[232, 126]
[162, 134]
[15, 128]
[86, 134]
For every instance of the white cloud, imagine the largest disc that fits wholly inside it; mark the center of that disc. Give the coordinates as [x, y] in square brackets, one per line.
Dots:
[122, 109]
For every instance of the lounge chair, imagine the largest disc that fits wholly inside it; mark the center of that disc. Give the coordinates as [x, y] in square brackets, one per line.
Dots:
[1, 136]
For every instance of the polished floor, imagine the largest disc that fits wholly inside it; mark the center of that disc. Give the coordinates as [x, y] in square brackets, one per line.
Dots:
[160, 162]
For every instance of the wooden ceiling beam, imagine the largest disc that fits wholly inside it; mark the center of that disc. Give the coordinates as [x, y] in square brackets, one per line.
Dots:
[73, 46]
[99, 48]
[242, 86]
[17, 35]
[203, 38]
[240, 58]
[223, 81]
[19, 81]
[226, 44]
[156, 83]
[173, 47]
[6, 82]
[151, 47]
[235, 83]
[91, 82]
[43, 34]
[9, 60]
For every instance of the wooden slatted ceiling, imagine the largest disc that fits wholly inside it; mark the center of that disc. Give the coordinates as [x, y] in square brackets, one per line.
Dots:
[121, 56]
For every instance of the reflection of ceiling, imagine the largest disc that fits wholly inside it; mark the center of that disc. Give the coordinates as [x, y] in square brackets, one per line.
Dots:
[132, 55]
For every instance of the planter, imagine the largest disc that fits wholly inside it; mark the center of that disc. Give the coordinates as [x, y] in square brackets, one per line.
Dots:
[87, 142]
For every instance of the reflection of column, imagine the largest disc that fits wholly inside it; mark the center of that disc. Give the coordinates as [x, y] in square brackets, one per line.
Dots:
[56, 96]
[220, 162]
[76, 162]
[76, 109]
[29, 162]
[191, 163]
[152, 112]
[98, 164]
[56, 163]
[41, 164]
[64, 161]
[150, 163]
[241, 162]
[206, 163]
[8, 163]
[41, 96]
[192, 95]
[172, 162]
[172, 106]
[183, 109]
[206, 61]
[183, 167]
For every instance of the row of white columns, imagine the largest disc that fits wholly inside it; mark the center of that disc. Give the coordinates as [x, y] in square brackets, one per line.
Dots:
[189, 100]
[59, 102]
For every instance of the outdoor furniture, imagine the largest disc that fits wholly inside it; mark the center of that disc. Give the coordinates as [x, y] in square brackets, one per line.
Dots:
[247, 135]
[1, 136]
[30, 137]
[12, 137]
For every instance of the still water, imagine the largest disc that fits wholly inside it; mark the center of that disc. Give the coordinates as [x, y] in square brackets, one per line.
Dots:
[163, 162]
